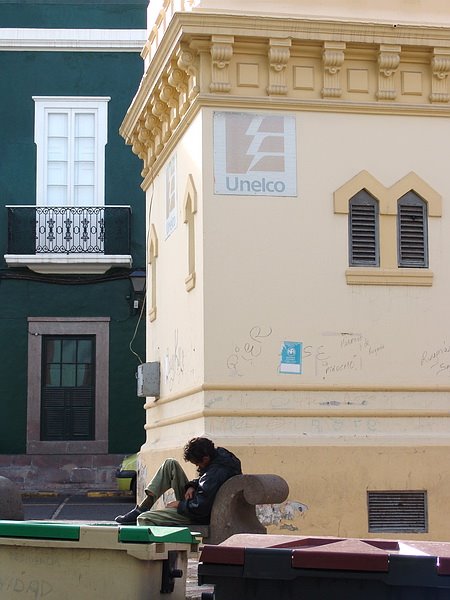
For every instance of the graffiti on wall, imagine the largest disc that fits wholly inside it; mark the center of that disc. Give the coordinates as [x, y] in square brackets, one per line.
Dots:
[284, 515]
[249, 349]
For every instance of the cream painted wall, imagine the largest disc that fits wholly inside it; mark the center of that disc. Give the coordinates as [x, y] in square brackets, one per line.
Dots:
[281, 277]
[282, 263]
[175, 337]
[267, 273]
[370, 409]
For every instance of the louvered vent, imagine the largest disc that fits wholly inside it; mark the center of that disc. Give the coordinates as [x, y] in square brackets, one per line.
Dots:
[398, 511]
[363, 226]
[412, 231]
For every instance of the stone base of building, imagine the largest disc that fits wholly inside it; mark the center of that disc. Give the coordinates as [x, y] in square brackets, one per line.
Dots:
[61, 473]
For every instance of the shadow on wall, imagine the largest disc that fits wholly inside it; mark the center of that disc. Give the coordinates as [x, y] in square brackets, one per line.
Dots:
[281, 514]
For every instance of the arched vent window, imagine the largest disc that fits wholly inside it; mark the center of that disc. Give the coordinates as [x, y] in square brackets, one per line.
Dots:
[363, 230]
[412, 231]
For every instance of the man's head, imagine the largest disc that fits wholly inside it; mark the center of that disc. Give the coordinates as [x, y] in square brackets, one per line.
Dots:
[199, 451]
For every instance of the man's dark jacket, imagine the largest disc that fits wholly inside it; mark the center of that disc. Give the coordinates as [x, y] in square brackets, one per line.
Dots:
[223, 466]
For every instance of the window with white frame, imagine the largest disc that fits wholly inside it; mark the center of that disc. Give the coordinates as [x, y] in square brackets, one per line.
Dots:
[70, 135]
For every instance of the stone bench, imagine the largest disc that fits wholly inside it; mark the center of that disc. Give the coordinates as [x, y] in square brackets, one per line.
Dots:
[11, 507]
[234, 509]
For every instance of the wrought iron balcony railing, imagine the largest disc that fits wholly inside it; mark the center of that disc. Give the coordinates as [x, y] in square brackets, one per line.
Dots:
[69, 230]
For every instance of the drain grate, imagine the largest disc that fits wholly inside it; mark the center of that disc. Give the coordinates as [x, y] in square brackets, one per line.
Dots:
[398, 511]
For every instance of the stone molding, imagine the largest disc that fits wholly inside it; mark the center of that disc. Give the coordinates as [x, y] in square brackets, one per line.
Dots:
[333, 60]
[320, 66]
[190, 209]
[440, 65]
[221, 53]
[278, 57]
[73, 40]
[387, 196]
[388, 62]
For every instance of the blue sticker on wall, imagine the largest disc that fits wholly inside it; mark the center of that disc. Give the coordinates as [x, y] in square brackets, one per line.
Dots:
[291, 358]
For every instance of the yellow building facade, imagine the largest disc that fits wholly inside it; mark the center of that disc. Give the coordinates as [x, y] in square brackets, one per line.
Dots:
[297, 178]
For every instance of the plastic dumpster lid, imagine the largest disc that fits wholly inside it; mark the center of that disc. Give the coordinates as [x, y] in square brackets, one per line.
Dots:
[145, 535]
[348, 555]
[40, 531]
[232, 550]
[439, 549]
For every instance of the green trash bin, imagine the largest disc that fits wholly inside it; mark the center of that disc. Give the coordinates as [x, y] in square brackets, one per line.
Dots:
[311, 568]
[59, 561]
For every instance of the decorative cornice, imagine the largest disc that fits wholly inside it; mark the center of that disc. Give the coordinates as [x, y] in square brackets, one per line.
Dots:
[278, 58]
[333, 59]
[164, 108]
[320, 66]
[221, 53]
[388, 62]
[186, 60]
[440, 65]
[306, 29]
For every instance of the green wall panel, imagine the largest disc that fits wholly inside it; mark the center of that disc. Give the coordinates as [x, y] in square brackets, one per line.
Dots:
[106, 14]
[22, 298]
[78, 74]
[69, 74]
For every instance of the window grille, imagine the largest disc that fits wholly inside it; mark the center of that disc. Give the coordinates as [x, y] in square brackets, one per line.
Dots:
[398, 511]
[363, 230]
[412, 231]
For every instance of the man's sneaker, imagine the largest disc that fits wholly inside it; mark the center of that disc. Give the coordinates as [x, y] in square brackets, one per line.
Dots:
[130, 518]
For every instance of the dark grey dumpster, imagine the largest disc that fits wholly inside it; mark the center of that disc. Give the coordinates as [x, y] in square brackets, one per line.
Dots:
[312, 568]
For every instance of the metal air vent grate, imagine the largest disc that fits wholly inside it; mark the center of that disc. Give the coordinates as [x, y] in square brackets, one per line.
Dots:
[398, 511]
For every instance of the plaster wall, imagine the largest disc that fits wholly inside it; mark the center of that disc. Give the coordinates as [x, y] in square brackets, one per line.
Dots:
[329, 484]
[333, 431]
[175, 336]
[274, 266]
[368, 409]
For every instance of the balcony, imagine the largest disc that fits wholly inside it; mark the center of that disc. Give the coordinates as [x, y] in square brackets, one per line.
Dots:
[69, 239]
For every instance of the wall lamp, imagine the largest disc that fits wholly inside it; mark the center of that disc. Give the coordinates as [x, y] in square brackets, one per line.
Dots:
[138, 281]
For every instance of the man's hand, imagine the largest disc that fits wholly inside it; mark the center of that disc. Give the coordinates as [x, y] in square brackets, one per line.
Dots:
[173, 504]
[189, 493]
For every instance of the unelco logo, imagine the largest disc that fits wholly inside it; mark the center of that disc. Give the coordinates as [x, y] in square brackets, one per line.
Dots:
[254, 154]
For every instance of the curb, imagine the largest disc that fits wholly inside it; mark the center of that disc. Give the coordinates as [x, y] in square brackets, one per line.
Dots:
[109, 494]
[87, 493]
[26, 495]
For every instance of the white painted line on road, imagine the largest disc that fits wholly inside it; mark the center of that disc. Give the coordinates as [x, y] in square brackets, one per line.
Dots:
[59, 509]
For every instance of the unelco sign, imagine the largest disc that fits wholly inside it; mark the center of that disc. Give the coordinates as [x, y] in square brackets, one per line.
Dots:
[254, 154]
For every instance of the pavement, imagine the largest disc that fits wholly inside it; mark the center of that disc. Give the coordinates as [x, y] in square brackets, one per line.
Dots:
[94, 507]
[91, 506]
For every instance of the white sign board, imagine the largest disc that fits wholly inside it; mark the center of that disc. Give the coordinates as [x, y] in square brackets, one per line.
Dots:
[254, 154]
[171, 196]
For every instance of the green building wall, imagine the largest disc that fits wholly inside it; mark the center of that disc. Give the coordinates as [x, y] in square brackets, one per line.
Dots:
[20, 298]
[23, 293]
[82, 14]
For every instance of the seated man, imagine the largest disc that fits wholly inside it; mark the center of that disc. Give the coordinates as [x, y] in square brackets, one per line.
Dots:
[194, 499]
